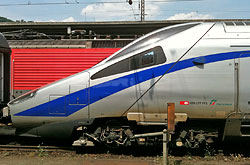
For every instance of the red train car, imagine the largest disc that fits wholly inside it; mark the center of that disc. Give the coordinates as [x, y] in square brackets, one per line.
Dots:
[34, 67]
[4, 72]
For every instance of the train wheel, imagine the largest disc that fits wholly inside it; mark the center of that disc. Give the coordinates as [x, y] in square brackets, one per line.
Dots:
[114, 135]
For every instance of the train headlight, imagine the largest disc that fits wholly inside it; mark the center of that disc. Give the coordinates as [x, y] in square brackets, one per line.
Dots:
[6, 112]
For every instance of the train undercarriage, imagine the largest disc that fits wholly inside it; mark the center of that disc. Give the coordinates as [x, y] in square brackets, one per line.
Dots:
[114, 134]
[190, 135]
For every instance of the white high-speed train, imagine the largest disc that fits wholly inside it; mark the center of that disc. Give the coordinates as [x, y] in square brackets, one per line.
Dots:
[204, 68]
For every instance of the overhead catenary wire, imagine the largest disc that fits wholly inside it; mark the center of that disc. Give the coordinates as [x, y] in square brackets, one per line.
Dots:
[133, 13]
[53, 3]
[77, 2]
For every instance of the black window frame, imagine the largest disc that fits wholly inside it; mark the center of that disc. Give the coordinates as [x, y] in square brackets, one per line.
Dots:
[132, 63]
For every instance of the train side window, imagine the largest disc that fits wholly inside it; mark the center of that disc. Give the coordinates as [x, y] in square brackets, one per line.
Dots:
[134, 62]
[119, 67]
[147, 58]
[151, 57]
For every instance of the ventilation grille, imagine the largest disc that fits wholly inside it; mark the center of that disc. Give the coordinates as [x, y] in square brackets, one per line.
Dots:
[237, 23]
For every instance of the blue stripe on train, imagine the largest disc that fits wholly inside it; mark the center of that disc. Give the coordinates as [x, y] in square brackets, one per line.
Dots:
[103, 90]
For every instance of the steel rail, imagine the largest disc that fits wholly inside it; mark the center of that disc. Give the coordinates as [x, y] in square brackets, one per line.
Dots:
[35, 148]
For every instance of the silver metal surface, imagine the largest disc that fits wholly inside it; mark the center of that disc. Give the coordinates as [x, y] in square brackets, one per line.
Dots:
[148, 134]
[210, 89]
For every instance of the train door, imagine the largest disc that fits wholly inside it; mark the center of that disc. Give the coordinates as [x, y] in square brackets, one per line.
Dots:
[65, 102]
[244, 84]
[238, 125]
[149, 99]
[1, 78]
[79, 95]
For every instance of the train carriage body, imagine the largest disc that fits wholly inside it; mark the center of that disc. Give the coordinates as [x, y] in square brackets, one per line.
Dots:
[4, 72]
[201, 67]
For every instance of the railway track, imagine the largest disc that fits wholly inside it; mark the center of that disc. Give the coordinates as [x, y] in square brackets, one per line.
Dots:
[35, 148]
[94, 156]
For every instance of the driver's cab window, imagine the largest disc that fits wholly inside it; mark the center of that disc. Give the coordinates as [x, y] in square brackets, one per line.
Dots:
[145, 59]
[148, 58]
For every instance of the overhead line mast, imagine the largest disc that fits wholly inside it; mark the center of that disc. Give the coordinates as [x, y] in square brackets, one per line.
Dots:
[142, 8]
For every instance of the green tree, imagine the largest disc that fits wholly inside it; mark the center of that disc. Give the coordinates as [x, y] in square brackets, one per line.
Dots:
[3, 19]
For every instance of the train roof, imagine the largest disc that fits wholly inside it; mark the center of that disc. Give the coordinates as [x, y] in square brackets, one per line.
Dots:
[4, 46]
[152, 37]
[163, 33]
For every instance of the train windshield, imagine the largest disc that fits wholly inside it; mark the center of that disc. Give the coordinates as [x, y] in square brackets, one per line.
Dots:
[153, 38]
